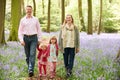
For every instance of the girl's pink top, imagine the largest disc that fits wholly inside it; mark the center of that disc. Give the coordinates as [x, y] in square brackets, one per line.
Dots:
[42, 54]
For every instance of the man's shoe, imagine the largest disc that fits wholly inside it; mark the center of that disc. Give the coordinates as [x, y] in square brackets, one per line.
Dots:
[67, 75]
[31, 74]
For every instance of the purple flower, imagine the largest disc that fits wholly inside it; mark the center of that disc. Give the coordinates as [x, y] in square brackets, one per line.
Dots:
[6, 67]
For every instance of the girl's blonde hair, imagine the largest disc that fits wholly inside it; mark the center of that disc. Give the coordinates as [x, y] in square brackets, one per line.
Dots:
[53, 38]
[43, 45]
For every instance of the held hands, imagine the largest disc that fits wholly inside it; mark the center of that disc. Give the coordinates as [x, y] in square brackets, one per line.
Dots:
[77, 50]
[22, 43]
[39, 42]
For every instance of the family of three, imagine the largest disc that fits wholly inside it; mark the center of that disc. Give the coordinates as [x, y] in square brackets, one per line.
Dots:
[29, 34]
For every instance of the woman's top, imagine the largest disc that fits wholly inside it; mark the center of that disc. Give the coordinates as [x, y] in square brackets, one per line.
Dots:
[68, 36]
[62, 37]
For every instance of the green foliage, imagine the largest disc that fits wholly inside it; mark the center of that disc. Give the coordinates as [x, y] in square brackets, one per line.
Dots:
[111, 18]
[110, 14]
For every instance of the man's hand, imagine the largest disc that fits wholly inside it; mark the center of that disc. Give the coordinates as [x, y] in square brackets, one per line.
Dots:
[39, 42]
[22, 43]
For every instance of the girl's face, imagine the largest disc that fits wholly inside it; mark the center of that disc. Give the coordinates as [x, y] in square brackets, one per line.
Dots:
[69, 19]
[43, 47]
[53, 41]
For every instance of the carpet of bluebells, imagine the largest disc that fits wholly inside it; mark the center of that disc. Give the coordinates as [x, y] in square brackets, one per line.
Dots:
[96, 59]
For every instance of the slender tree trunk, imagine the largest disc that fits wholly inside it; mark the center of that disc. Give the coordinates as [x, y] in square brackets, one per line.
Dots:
[48, 27]
[63, 10]
[67, 2]
[59, 3]
[89, 16]
[80, 15]
[43, 7]
[34, 4]
[100, 23]
[15, 18]
[2, 21]
[22, 8]
[110, 1]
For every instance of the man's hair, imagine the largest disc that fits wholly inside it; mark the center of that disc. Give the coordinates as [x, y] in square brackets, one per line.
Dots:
[29, 6]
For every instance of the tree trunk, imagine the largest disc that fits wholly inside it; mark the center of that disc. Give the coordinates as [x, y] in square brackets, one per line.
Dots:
[59, 3]
[63, 11]
[67, 2]
[48, 27]
[43, 7]
[100, 23]
[2, 21]
[15, 18]
[80, 15]
[89, 16]
[34, 5]
[22, 8]
[110, 1]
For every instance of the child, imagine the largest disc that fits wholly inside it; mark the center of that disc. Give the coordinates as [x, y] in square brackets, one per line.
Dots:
[52, 53]
[42, 59]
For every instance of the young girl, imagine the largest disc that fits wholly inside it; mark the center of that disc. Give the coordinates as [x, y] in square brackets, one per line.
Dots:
[52, 53]
[42, 59]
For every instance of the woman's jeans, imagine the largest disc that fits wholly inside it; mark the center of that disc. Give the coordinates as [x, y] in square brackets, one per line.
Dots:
[69, 54]
[30, 50]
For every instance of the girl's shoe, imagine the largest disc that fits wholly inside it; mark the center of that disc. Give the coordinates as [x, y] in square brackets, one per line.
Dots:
[51, 77]
[40, 75]
[44, 75]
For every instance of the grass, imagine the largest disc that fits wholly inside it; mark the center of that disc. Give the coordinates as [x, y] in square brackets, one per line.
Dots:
[92, 62]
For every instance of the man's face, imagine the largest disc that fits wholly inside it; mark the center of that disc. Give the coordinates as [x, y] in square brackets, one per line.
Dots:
[28, 10]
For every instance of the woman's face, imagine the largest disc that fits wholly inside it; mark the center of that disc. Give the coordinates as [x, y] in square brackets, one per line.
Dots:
[69, 19]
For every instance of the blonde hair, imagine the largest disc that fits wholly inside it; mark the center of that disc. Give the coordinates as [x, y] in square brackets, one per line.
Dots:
[43, 45]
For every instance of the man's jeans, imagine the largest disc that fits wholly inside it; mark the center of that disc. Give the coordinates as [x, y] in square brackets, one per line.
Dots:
[69, 54]
[30, 50]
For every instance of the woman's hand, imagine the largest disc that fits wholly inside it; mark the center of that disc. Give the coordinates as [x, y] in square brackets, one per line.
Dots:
[77, 50]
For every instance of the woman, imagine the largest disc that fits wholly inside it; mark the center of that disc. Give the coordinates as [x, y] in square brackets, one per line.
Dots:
[69, 43]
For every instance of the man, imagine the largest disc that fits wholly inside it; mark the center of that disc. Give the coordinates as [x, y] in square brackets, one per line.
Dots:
[29, 34]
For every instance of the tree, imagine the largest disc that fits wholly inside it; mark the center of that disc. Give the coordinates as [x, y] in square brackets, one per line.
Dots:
[80, 15]
[48, 27]
[63, 11]
[2, 20]
[59, 3]
[15, 18]
[110, 1]
[100, 25]
[22, 7]
[67, 2]
[34, 5]
[89, 16]
[43, 7]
